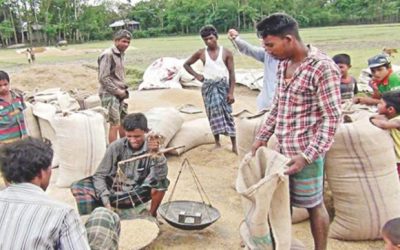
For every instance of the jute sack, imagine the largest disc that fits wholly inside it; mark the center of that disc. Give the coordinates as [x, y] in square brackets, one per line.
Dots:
[45, 113]
[166, 121]
[265, 199]
[31, 122]
[81, 144]
[246, 131]
[298, 214]
[192, 134]
[361, 172]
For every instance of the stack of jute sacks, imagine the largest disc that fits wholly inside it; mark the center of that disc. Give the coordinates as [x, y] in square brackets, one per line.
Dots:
[78, 136]
[360, 170]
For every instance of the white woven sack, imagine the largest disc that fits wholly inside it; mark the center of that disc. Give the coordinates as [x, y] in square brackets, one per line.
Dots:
[82, 145]
[246, 131]
[192, 134]
[45, 113]
[166, 121]
[31, 122]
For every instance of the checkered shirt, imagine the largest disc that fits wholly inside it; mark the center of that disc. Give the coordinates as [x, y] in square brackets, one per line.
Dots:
[306, 110]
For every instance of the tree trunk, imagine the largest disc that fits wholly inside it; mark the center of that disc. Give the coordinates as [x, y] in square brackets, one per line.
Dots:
[13, 25]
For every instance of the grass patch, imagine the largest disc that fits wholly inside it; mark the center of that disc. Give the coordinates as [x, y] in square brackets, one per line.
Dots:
[133, 77]
[360, 42]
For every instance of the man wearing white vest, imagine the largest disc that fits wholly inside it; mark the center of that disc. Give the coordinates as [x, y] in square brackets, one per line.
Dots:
[218, 84]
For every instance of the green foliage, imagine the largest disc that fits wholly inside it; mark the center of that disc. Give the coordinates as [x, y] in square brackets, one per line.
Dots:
[134, 76]
[79, 20]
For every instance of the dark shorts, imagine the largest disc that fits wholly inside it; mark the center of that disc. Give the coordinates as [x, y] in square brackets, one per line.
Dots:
[117, 109]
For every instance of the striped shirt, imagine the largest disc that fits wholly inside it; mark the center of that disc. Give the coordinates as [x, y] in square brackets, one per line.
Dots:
[306, 110]
[12, 124]
[111, 71]
[29, 219]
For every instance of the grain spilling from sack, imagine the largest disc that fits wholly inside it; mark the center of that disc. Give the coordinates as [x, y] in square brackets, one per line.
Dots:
[361, 172]
[137, 233]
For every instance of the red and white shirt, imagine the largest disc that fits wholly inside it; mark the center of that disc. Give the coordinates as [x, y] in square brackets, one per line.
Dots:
[306, 109]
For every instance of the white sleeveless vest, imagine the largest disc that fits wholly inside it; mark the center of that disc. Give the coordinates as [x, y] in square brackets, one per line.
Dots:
[217, 69]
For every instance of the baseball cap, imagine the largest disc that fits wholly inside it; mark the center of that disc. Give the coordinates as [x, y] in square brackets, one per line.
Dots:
[378, 60]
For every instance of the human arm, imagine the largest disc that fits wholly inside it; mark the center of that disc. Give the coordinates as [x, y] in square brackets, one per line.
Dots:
[366, 100]
[72, 233]
[232, 80]
[106, 168]
[355, 90]
[246, 48]
[382, 122]
[187, 65]
[105, 62]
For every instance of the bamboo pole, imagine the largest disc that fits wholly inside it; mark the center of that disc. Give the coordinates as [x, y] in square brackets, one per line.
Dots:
[162, 151]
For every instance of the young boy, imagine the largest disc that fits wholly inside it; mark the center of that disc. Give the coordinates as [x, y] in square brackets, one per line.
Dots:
[12, 123]
[348, 84]
[217, 93]
[389, 118]
[391, 234]
[113, 89]
[383, 79]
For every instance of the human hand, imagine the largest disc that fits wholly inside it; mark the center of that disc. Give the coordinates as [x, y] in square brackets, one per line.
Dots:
[108, 206]
[199, 77]
[121, 94]
[230, 99]
[296, 164]
[232, 34]
[153, 141]
[256, 145]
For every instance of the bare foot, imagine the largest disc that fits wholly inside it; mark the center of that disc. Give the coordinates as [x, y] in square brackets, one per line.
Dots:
[234, 149]
[217, 145]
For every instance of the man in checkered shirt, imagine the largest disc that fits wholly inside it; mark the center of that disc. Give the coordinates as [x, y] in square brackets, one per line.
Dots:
[304, 116]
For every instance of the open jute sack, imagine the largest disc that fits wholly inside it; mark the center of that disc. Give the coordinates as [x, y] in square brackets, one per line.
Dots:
[81, 144]
[264, 190]
[361, 172]
[165, 121]
[192, 134]
[246, 131]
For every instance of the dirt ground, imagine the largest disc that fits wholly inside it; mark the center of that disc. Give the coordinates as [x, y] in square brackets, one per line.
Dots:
[216, 169]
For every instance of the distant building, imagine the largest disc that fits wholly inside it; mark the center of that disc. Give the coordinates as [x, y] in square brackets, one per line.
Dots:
[130, 25]
[37, 31]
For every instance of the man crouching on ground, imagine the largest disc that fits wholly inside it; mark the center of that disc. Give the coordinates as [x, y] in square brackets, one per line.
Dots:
[141, 180]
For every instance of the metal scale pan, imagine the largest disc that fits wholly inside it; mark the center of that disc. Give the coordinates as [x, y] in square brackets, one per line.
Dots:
[172, 213]
[189, 215]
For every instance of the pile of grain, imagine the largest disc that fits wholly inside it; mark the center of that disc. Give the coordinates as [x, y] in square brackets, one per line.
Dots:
[136, 234]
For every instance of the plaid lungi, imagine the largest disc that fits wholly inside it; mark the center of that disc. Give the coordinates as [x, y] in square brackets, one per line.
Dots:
[87, 201]
[117, 109]
[219, 112]
[103, 228]
[307, 186]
